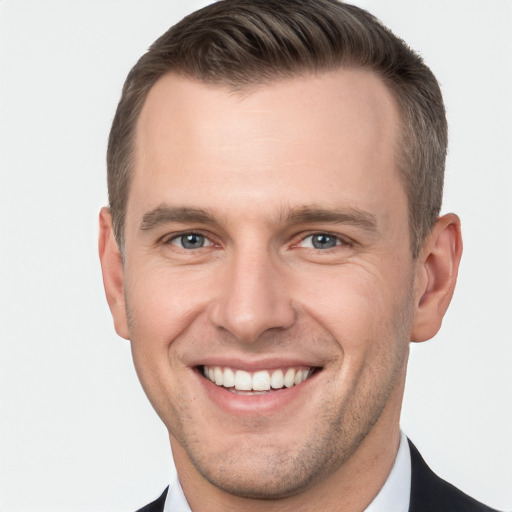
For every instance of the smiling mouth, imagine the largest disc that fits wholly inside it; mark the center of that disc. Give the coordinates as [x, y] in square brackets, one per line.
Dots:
[258, 382]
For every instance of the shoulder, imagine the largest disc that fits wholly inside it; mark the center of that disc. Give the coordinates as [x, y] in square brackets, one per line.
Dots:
[429, 493]
[157, 505]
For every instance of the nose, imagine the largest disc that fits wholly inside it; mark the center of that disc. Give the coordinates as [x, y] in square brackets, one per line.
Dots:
[252, 298]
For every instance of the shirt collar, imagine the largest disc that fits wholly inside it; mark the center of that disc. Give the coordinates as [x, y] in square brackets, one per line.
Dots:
[396, 491]
[394, 495]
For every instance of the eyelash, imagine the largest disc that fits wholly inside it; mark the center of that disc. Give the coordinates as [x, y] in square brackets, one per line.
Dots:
[340, 240]
[177, 236]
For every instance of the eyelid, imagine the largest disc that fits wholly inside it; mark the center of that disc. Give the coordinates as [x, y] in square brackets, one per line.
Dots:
[169, 238]
[177, 239]
[340, 239]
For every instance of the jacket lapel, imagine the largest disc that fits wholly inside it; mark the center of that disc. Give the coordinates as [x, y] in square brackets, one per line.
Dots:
[157, 505]
[429, 493]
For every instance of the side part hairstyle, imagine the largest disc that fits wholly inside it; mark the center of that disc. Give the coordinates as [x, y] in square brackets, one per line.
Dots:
[242, 44]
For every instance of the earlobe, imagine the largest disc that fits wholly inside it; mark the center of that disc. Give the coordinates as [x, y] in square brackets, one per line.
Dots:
[112, 269]
[438, 265]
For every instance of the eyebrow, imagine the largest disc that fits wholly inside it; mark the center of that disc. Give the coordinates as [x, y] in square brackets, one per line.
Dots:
[351, 216]
[165, 214]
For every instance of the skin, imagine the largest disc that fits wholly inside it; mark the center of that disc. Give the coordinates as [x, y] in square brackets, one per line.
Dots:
[257, 174]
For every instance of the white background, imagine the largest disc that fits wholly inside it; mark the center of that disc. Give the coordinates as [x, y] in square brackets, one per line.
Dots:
[76, 432]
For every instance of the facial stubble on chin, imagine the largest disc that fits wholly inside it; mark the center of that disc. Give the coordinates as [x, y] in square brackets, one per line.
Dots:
[266, 471]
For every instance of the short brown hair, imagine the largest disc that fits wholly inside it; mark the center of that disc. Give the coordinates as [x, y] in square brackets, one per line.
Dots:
[244, 43]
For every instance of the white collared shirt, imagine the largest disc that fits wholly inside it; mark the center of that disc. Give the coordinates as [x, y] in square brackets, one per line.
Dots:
[394, 495]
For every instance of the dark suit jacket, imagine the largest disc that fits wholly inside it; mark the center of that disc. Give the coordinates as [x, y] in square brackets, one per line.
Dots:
[429, 493]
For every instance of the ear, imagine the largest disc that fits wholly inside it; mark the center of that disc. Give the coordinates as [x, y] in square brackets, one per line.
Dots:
[438, 265]
[113, 276]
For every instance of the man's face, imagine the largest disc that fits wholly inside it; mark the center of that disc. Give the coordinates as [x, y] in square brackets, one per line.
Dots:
[267, 243]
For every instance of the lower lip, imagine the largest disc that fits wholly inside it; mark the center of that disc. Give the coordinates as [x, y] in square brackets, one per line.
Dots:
[257, 404]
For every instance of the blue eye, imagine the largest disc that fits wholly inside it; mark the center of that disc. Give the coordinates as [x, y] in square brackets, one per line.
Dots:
[191, 241]
[320, 241]
[323, 241]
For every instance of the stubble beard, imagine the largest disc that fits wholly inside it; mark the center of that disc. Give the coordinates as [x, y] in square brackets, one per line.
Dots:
[261, 469]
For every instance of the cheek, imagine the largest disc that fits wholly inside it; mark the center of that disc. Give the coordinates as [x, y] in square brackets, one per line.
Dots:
[161, 307]
[361, 307]
[162, 303]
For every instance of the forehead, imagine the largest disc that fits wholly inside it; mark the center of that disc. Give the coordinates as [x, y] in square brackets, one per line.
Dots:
[326, 137]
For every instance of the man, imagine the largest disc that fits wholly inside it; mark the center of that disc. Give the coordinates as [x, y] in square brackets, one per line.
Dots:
[272, 246]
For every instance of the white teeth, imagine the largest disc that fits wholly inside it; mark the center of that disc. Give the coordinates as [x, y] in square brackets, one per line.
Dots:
[243, 381]
[262, 380]
[229, 378]
[289, 378]
[277, 380]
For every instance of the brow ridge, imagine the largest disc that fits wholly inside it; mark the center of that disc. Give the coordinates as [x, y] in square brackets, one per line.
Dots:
[165, 214]
[352, 216]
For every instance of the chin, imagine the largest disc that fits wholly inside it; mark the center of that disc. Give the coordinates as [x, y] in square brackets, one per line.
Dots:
[273, 467]
[263, 476]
